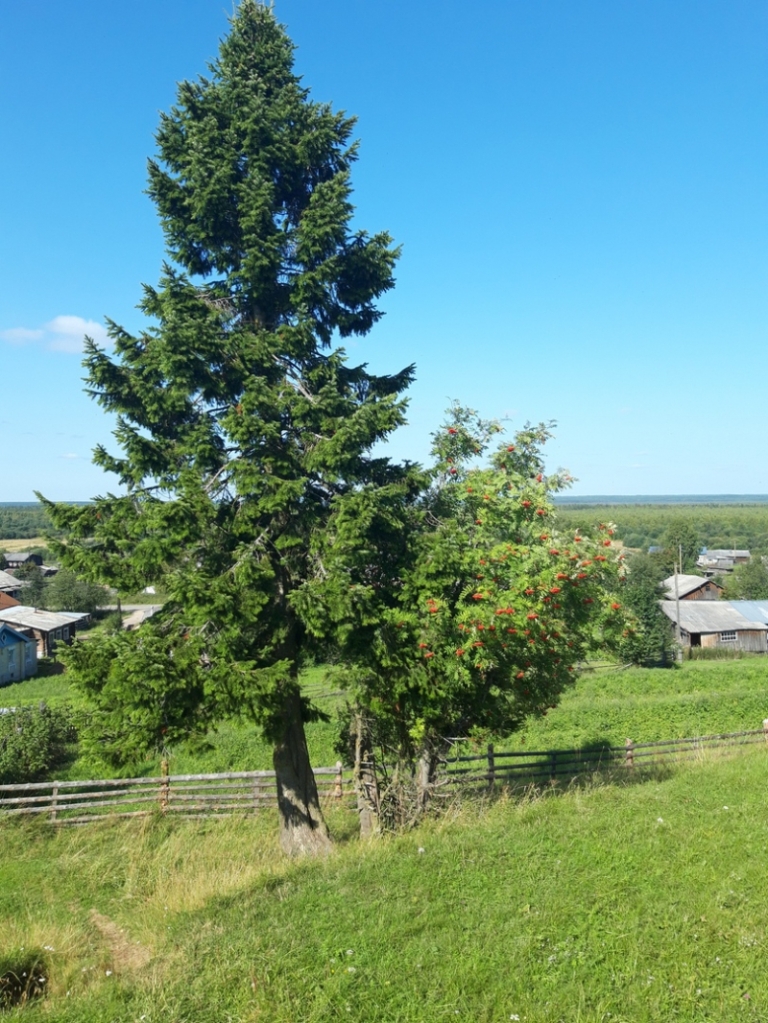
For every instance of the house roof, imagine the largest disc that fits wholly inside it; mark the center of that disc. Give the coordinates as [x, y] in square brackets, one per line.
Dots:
[755, 610]
[9, 582]
[19, 557]
[711, 616]
[685, 584]
[721, 552]
[9, 635]
[43, 621]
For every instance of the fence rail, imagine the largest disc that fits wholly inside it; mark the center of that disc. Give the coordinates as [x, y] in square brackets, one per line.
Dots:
[248, 792]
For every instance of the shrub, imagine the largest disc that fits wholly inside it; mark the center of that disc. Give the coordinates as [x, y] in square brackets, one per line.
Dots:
[34, 741]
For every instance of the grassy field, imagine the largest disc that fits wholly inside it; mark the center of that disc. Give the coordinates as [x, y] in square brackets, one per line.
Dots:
[22, 544]
[605, 706]
[612, 904]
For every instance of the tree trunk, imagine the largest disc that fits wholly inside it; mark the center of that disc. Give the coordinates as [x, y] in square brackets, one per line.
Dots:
[366, 783]
[426, 775]
[303, 831]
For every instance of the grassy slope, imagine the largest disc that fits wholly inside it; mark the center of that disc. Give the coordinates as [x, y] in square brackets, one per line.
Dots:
[637, 903]
[699, 698]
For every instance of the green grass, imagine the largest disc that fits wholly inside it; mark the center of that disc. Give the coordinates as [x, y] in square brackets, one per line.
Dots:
[605, 706]
[630, 904]
[645, 704]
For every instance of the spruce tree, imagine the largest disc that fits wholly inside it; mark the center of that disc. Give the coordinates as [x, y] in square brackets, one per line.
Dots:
[238, 417]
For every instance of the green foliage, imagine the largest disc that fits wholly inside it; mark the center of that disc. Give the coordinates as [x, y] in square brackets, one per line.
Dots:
[143, 693]
[748, 581]
[479, 612]
[682, 544]
[652, 644]
[34, 593]
[66, 592]
[34, 741]
[238, 419]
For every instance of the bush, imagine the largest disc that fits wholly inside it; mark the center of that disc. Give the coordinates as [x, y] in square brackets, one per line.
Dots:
[34, 741]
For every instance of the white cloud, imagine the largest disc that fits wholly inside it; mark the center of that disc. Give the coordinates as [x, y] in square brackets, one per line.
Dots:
[61, 334]
[66, 333]
[69, 455]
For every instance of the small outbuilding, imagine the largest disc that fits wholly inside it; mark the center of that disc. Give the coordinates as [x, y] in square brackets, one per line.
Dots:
[717, 623]
[18, 655]
[691, 587]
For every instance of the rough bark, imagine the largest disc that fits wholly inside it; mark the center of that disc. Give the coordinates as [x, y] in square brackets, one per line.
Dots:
[366, 783]
[303, 831]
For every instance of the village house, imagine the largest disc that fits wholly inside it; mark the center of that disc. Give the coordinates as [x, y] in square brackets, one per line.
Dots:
[691, 587]
[717, 623]
[10, 585]
[18, 558]
[720, 562]
[47, 627]
[18, 655]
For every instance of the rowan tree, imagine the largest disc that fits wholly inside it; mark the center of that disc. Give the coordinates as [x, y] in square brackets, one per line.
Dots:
[238, 417]
[484, 611]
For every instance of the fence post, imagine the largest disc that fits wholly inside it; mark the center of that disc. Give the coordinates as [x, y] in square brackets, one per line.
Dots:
[629, 756]
[257, 793]
[165, 786]
[765, 729]
[338, 788]
[491, 766]
[553, 765]
[54, 800]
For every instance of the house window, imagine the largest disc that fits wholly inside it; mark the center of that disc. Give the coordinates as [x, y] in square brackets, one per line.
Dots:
[58, 634]
[727, 637]
[66, 632]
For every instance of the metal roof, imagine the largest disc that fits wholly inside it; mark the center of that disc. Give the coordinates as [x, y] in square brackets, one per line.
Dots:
[45, 621]
[755, 610]
[710, 616]
[9, 582]
[685, 584]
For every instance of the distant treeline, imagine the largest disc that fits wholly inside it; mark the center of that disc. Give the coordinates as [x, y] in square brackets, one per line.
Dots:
[642, 526]
[20, 521]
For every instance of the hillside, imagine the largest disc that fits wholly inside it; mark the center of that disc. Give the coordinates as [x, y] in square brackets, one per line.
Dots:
[638, 903]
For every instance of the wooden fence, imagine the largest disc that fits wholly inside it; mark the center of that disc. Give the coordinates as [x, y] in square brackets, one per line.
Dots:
[532, 766]
[183, 795]
[247, 792]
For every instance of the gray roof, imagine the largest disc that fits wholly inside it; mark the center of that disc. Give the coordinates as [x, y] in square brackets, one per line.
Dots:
[710, 616]
[9, 582]
[685, 584]
[720, 552]
[45, 621]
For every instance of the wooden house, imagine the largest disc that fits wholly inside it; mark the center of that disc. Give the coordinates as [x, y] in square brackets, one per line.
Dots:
[691, 587]
[717, 623]
[47, 627]
[18, 655]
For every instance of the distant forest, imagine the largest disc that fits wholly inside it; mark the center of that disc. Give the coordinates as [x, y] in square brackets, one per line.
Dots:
[644, 525]
[637, 525]
[20, 521]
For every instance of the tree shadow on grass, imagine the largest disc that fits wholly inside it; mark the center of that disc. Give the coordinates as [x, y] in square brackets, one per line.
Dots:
[596, 763]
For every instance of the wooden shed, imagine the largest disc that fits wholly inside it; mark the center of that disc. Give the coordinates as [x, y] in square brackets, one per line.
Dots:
[692, 587]
[716, 623]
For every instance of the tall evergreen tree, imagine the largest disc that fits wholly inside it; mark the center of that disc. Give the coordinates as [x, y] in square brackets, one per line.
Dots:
[238, 417]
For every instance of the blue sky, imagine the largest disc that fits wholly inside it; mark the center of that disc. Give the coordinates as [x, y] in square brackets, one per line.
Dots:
[579, 188]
